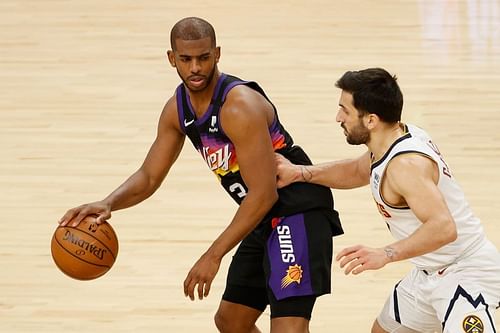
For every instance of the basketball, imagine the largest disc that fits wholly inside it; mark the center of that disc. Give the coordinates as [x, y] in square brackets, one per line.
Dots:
[85, 252]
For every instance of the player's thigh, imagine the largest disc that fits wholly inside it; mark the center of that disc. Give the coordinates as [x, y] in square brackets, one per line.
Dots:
[469, 292]
[299, 254]
[398, 328]
[465, 306]
[292, 307]
[477, 320]
[245, 296]
[234, 317]
[404, 308]
[292, 314]
[289, 325]
[246, 282]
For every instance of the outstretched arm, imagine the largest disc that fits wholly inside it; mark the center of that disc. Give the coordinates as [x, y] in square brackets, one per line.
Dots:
[245, 118]
[344, 174]
[412, 178]
[144, 182]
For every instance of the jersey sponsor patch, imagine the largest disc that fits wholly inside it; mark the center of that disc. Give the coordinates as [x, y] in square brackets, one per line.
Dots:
[213, 128]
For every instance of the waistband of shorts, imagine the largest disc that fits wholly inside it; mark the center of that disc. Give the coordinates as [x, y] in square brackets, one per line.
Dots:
[472, 249]
[432, 271]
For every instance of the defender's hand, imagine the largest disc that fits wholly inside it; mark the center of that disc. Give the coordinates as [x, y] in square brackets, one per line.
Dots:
[286, 171]
[359, 258]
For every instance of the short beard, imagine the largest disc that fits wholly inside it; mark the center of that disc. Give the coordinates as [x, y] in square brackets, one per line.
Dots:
[359, 135]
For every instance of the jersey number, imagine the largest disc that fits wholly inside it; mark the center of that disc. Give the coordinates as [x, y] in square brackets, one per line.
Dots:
[238, 189]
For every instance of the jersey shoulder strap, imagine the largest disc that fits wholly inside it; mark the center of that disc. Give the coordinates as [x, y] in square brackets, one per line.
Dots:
[187, 117]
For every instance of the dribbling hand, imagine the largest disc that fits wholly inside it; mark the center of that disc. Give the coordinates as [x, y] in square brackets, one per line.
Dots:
[74, 216]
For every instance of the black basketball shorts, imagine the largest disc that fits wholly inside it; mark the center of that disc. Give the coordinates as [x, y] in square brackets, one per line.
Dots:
[286, 263]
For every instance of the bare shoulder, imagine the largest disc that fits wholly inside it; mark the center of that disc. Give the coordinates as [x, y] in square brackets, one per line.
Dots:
[169, 116]
[245, 101]
[410, 167]
[411, 161]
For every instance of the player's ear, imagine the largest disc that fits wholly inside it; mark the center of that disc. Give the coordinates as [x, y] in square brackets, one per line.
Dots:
[171, 57]
[217, 54]
[371, 120]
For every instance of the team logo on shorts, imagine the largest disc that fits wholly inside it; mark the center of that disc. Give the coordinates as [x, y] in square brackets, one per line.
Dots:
[472, 324]
[293, 274]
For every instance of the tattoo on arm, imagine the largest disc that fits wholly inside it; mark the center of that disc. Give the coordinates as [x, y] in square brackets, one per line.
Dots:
[306, 174]
[390, 253]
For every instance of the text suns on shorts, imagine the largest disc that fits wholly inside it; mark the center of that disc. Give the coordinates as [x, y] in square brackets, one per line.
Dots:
[294, 272]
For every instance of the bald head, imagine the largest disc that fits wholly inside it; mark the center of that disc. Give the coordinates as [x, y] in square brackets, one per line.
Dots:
[191, 28]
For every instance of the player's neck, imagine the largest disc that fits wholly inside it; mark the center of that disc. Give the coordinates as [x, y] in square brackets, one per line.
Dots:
[200, 100]
[382, 139]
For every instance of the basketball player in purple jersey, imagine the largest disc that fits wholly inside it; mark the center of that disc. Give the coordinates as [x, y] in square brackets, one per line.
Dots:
[455, 284]
[284, 258]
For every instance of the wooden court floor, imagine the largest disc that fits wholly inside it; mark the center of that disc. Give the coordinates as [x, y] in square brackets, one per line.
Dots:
[82, 85]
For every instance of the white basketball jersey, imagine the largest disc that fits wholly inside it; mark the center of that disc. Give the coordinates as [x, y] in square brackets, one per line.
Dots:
[402, 222]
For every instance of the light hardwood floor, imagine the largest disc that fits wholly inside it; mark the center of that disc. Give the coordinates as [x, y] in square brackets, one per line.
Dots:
[83, 82]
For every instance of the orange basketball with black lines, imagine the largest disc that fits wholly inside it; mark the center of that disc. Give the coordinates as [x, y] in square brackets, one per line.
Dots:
[85, 252]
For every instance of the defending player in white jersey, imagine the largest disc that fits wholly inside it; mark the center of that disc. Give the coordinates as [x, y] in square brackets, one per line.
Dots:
[455, 284]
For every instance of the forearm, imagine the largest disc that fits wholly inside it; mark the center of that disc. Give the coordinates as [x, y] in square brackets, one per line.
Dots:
[431, 236]
[249, 214]
[342, 174]
[134, 190]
